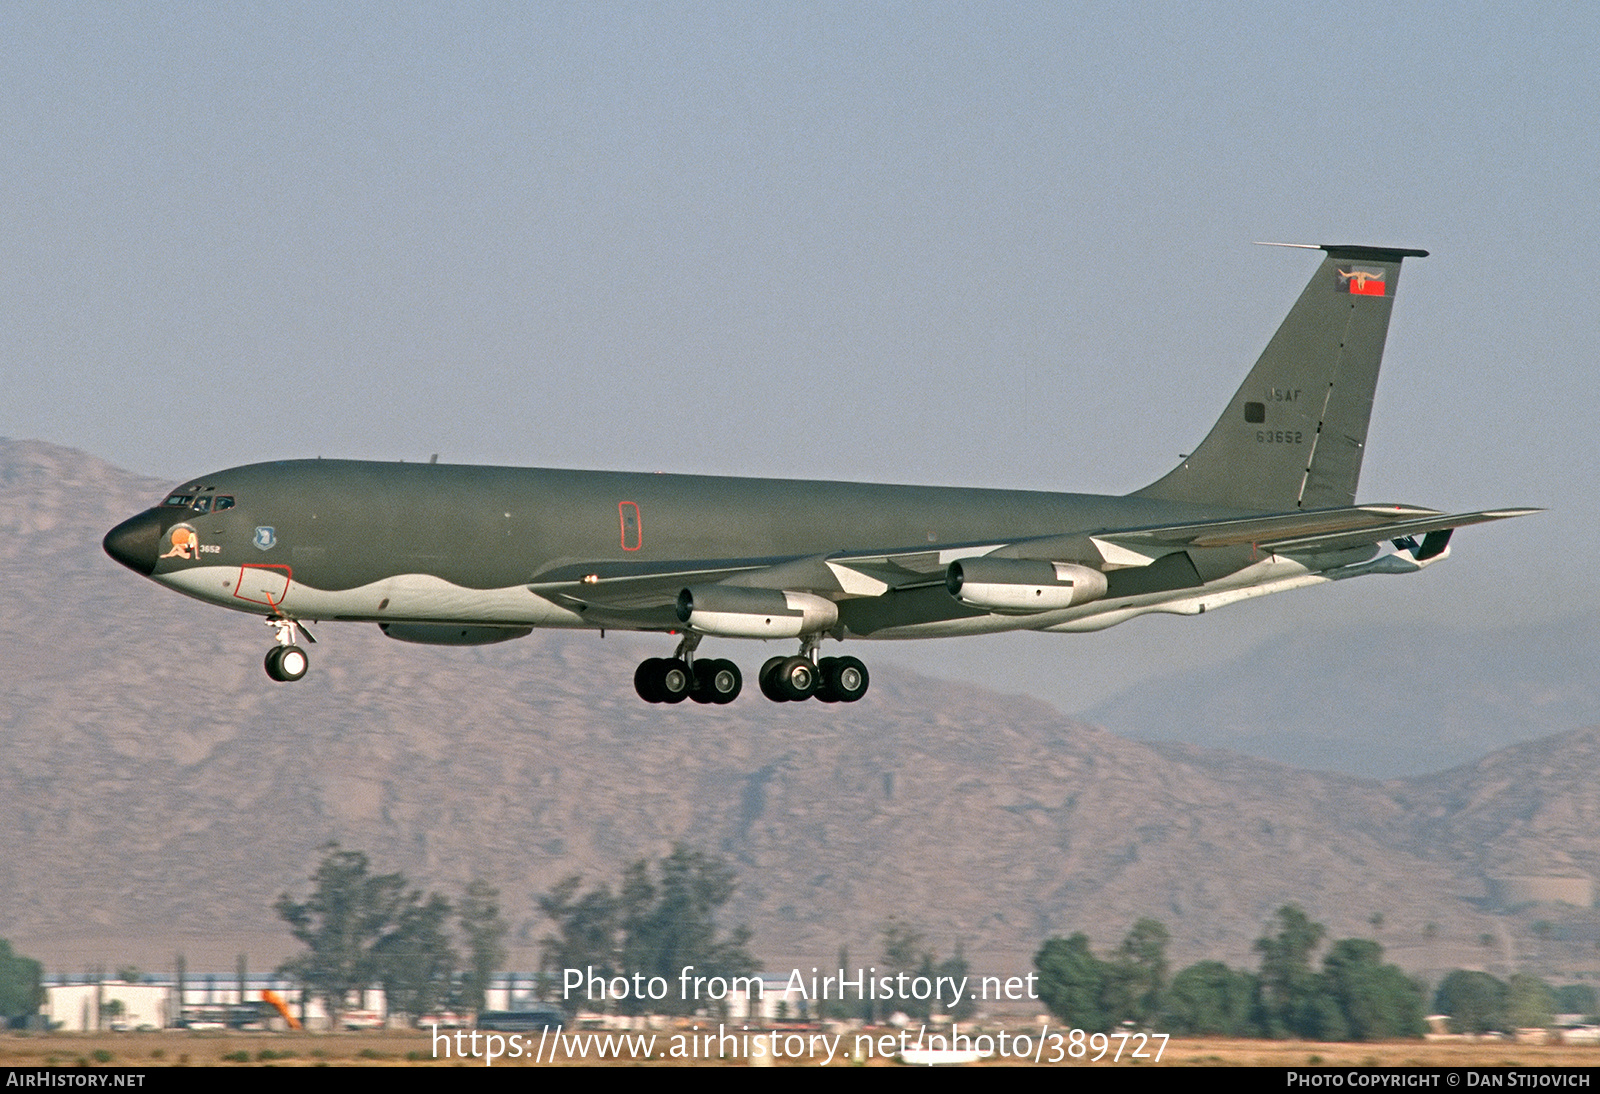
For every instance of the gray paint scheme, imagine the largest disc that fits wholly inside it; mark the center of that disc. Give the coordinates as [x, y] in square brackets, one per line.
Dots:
[458, 554]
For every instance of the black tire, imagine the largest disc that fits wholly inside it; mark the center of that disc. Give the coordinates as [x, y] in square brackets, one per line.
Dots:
[847, 679]
[646, 680]
[825, 670]
[728, 682]
[675, 680]
[795, 679]
[292, 663]
[274, 657]
[768, 680]
[717, 682]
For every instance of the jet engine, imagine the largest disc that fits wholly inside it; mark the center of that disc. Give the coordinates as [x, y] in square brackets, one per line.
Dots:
[1019, 586]
[730, 611]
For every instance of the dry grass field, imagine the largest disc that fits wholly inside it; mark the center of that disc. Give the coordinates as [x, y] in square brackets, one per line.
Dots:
[412, 1049]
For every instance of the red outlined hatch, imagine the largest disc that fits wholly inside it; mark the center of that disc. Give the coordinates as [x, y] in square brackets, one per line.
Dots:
[260, 583]
[632, 525]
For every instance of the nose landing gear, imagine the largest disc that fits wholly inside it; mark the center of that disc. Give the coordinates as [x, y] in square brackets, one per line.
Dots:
[287, 662]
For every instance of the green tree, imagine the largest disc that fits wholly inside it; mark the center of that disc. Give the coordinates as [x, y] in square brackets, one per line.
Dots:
[1530, 1004]
[903, 953]
[349, 913]
[1475, 1002]
[484, 933]
[1211, 999]
[1575, 999]
[1072, 982]
[414, 961]
[1374, 1001]
[663, 921]
[21, 985]
[586, 930]
[957, 969]
[1138, 974]
[1291, 1000]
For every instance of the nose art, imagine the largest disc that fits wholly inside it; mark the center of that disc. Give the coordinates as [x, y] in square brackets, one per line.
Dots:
[133, 542]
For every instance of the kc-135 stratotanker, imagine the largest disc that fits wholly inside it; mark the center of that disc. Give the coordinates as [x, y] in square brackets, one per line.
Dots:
[463, 555]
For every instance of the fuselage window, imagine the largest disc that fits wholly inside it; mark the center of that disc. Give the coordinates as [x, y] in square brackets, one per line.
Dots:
[202, 504]
[182, 501]
[223, 502]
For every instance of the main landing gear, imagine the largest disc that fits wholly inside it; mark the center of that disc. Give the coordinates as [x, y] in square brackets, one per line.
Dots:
[830, 680]
[783, 679]
[679, 677]
[287, 662]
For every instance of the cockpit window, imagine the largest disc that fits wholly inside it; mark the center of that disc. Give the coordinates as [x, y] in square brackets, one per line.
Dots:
[200, 503]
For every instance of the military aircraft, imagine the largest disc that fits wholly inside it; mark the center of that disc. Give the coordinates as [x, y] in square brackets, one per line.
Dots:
[464, 555]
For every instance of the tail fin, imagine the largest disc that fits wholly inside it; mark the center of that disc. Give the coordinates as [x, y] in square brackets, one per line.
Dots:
[1294, 434]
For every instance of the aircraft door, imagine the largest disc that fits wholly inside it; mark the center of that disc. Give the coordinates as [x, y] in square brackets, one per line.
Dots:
[263, 584]
[632, 526]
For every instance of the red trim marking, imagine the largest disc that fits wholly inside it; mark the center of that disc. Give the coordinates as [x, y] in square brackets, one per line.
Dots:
[238, 590]
[635, 533]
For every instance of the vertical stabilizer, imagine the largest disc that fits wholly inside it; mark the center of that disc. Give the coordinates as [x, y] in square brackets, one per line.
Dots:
[1294, 433]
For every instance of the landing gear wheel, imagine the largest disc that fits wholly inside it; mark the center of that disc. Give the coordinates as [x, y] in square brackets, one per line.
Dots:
[768, 680]
[287, 664]
[662, 680]
[795, 678]
[645, 680]
[827, 668]
[675, 680]
[716, 681]
[844, 679]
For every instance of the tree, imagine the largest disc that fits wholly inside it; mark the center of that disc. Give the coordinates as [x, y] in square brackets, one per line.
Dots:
[484, 932]
[21, 986]
[344, 925]
[1072, 982]
[415, 962]
[1475, 1002]
[1575, 999]
[903, 953]
[586, 929]
[1374, 1001]
[663, 921]
[1138, 974]
[1289, 1001]
[1211, 999]
[956, 968]
[1530, 1004]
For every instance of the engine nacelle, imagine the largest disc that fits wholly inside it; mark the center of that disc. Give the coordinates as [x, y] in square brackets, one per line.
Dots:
[731, 611]
[1020, 586]
[451, 634]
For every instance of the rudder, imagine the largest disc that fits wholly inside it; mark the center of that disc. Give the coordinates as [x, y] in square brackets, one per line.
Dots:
[1294, 433]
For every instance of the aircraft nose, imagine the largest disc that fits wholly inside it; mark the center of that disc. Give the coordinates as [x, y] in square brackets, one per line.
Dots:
[133, 542]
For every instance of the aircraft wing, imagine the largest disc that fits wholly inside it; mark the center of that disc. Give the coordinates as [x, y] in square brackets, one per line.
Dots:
[1318, 530]
[643, 594]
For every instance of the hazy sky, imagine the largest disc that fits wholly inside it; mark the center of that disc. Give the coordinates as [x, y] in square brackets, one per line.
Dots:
[967, 245]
